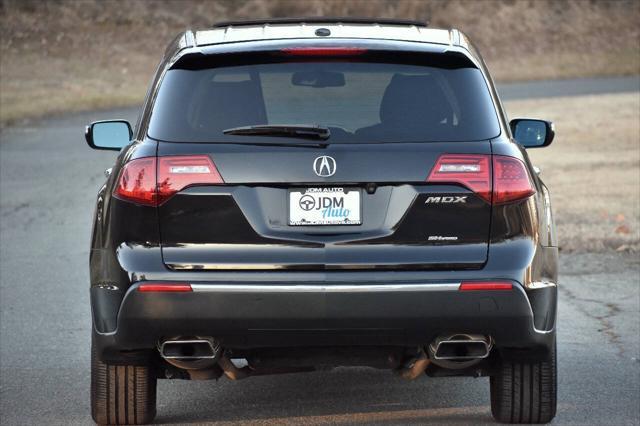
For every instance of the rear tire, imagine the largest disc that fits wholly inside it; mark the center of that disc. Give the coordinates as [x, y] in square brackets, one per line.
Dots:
[121, 394]
[525, 392]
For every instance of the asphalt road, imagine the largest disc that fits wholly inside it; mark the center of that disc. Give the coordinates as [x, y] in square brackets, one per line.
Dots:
[48, 179]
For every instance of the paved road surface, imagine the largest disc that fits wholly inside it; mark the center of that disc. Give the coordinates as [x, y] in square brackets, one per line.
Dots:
[48, 178]
[572, 87]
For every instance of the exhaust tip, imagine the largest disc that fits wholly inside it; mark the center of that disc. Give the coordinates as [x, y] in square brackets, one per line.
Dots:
[460, 347]
[190, 349]
[462, 350]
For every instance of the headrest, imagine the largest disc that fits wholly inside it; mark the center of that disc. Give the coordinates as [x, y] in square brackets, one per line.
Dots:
[232, 104]
[414, 100]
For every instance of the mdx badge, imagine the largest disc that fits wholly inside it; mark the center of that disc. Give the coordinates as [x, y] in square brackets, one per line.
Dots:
[446, 200]
[324, 166]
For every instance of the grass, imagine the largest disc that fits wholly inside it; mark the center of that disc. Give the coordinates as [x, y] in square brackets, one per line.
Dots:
[592, 168]
[71, 55]
[58, 85]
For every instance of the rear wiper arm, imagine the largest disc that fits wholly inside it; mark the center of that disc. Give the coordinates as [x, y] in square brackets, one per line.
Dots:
[287, 130]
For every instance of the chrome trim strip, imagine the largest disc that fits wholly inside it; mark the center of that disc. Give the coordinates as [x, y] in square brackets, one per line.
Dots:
[222, 266]
[300, 267]
[323, 288]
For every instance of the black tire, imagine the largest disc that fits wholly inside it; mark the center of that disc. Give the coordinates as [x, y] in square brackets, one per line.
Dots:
[525, 392]
[121, 394]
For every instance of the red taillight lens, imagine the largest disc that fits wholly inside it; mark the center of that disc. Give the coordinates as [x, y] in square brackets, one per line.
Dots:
[141, 183]
[485, 286]
[164, 288]
[178, 172]
[137, 182]
[470, 170]
[323, 51]
[511, 180]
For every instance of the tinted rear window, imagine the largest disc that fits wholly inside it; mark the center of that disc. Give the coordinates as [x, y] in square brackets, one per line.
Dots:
[361, 102]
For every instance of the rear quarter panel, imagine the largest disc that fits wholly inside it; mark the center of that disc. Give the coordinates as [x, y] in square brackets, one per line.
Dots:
[528, 227]
[118, 227]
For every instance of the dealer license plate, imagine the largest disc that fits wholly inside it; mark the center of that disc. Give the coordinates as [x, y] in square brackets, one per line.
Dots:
[325, 206]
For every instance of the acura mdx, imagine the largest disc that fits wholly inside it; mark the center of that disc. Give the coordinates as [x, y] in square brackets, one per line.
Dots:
[298, 195]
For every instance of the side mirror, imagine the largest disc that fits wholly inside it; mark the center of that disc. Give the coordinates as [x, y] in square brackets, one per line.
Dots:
[532, 133]
[108, 134]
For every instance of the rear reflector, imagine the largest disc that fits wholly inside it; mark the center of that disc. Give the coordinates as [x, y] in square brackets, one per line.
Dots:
[164, 288]
[323, 51]
[485, 286]
[178, 172]
[510, 178]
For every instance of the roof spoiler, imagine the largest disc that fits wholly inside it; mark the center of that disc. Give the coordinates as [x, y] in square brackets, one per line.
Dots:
[321, 20]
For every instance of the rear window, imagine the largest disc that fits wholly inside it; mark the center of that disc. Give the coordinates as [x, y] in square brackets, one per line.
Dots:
[360, 102]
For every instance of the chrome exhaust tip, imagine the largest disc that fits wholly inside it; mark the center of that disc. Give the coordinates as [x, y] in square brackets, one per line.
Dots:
[189, 349]
[460, 350]
[191, 353]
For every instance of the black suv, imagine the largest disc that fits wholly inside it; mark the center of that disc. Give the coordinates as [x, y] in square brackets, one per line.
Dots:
[303, 194]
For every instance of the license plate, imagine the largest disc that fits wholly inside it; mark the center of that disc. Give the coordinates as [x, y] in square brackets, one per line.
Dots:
[324, 206]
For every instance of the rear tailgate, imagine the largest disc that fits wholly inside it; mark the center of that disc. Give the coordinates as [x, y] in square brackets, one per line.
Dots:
[245, 223]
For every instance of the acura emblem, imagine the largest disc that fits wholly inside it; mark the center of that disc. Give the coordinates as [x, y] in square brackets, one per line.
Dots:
[324, 166]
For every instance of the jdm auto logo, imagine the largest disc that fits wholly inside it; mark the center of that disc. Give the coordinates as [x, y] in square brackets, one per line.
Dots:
[307, 202]
[324, 166]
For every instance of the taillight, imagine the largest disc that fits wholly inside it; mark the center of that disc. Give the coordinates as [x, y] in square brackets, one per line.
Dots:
[164, 288]
[141, 182]
[511, 181]
[178, 172]
[323, 51]
[485, 286]
[137, 182]
[470, 170]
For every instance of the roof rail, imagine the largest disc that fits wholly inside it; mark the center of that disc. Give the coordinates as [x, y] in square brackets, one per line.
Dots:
[320, 20]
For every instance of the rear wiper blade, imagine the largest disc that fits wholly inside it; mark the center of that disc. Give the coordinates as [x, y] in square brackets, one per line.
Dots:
[287, 130]
[285, 144]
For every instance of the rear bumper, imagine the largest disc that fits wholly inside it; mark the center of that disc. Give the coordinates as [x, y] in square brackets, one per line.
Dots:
[253, 315]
